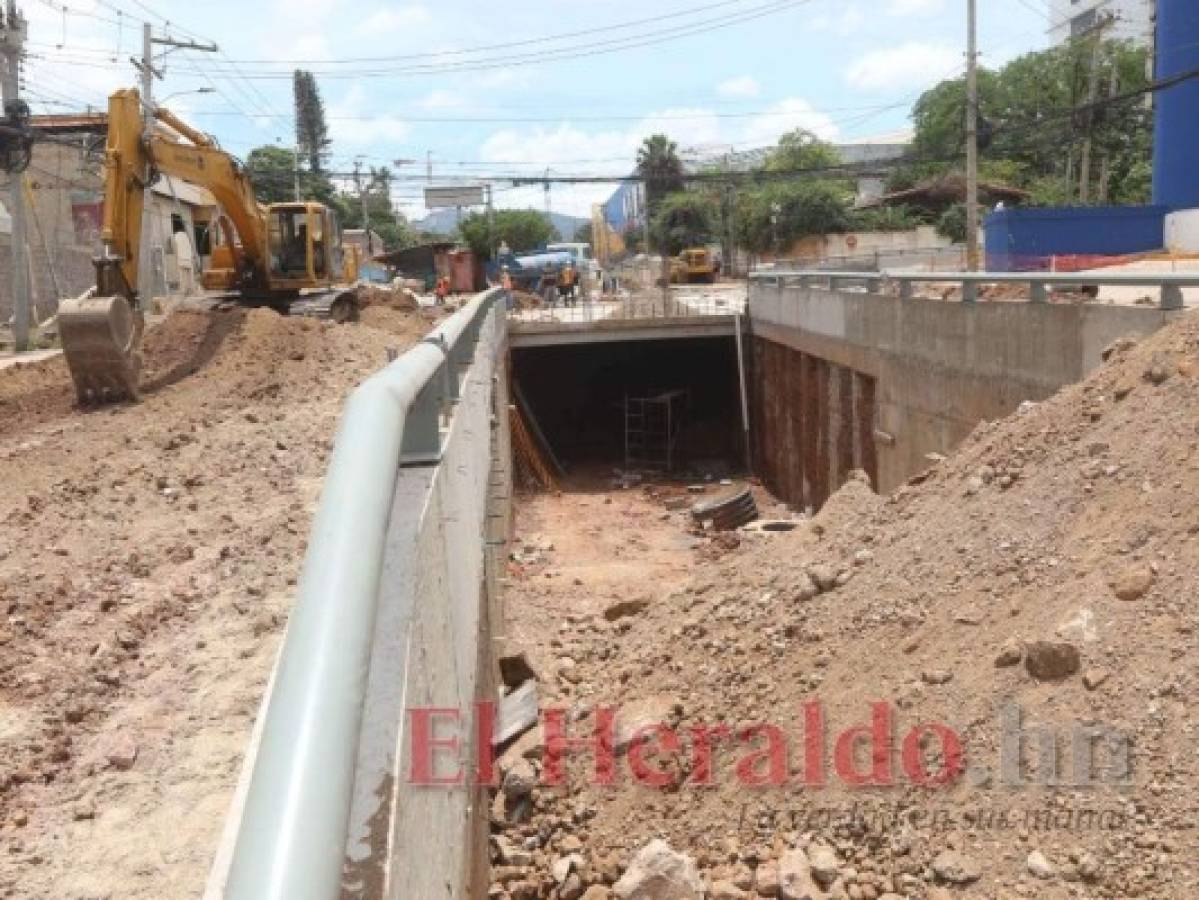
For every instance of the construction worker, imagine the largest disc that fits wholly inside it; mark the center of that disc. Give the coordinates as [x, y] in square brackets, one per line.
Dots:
[442, 290]
[567, 284]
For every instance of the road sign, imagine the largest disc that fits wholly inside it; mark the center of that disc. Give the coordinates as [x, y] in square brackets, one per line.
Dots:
[454, 197]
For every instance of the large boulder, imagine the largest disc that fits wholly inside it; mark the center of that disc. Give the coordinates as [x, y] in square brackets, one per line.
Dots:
[796, 881]
[659, 873]
[1052, 660]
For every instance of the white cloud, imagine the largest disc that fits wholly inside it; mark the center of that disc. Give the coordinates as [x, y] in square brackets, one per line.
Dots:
[352, 122]
[504, 79]
[301, 13]
[441, 99]
[843, 23]
[309, 46]
[390, 19]
[784, 116]
[745, 86]
[915, 7]
[911, 65]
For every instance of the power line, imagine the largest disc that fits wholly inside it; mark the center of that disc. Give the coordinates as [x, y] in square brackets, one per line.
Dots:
[508, 45]
[575, 51]
[617, 117]
[572, 52]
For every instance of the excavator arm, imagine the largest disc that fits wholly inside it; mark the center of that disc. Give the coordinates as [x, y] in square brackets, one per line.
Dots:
[101, 332]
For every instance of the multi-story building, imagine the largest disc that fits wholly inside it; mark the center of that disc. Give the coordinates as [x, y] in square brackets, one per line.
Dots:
[1130, 19]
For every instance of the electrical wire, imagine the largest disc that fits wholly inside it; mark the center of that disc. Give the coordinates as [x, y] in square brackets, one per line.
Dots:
[508, 45]
[589, 49]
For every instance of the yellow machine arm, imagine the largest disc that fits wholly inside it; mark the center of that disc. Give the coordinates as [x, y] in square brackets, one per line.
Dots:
[130, 161]
[295, 261]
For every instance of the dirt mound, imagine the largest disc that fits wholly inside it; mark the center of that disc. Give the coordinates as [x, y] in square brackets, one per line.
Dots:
[31, 393]
[372, 295]
[1039, 581]
[402, 324]
[148, 558]
[522, 300]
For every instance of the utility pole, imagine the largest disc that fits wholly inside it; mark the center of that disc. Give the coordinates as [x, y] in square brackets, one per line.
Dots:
[548, 203]
[1084, 181]
[1105, 167]
[729, 211]
[146, 281]
[491, 220]
[295, 171]
[429, 165]
[15, 29]
[972, 215]
[366, 216]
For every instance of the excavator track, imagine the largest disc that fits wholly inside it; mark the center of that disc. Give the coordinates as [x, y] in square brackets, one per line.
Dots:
[340, 306]
[101, 337]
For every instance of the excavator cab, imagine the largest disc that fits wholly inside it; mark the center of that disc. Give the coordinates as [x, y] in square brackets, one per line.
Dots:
[298, 245]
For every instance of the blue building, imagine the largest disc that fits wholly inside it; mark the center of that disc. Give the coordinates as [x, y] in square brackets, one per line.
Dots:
[624, 211]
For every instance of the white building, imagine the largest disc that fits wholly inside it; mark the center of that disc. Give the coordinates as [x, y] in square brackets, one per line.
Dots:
[1131, 19]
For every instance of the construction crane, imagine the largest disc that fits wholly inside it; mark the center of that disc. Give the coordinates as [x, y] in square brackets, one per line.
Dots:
[286, 255]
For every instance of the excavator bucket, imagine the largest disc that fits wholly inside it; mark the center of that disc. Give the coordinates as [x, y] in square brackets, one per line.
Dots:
[100, 339]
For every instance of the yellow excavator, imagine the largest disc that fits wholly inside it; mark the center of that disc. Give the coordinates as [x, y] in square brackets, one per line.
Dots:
[286, 255]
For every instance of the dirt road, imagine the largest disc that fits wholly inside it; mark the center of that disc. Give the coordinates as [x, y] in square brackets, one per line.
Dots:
[148, 557]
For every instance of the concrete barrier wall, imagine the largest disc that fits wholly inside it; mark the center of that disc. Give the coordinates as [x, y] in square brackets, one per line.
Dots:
[939, 368]
[433, 648]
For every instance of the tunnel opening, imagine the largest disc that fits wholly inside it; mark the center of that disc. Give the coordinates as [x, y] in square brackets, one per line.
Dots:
[670, 406]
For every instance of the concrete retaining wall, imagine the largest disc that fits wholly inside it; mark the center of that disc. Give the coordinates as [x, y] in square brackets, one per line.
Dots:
[433, 648]
[812, 423]
[939, 368]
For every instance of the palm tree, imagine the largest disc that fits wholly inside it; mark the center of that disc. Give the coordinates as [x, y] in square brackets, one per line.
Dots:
[659, 164]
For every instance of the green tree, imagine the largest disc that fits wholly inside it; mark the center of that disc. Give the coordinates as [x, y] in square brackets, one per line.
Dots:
[521, 229]
[684, 219]
[584, 234]
[800, 149]
[1034, 123]
[312, 131]
[952, 223]
[392, 227]
[659, 165]
[775, 215]
[272, 170]
[886, 218]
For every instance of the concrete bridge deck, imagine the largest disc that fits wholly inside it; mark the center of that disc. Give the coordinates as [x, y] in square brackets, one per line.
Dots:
[685, 312]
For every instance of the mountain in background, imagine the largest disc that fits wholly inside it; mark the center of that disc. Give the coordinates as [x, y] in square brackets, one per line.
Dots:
[445, 221]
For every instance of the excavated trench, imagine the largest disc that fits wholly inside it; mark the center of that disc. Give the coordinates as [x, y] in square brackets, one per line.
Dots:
[614, 403]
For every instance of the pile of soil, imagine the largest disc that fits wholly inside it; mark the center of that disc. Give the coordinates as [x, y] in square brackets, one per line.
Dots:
[393, 297]
[522, 300]
[999, 293]
[1046, 571]
[148, 558]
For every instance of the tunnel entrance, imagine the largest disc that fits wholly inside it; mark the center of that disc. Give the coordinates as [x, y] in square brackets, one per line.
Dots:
[669, 405]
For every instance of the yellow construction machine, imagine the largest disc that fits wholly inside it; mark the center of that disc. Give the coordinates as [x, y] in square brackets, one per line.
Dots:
[695, 265]
[287, 255]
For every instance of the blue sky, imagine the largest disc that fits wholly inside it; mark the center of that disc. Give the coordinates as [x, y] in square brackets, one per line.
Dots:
[747, 71]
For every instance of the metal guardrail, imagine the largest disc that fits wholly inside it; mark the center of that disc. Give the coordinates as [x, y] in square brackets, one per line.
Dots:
[291, 836]
[1170, 284]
